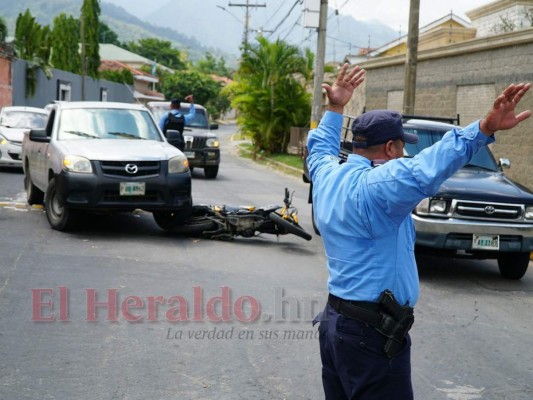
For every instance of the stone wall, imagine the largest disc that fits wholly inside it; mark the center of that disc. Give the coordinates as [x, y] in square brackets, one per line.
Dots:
[464, 79]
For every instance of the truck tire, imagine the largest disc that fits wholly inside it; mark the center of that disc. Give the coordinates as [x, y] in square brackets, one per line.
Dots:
[34, 195]
[211, 172]
[513, 265]
[60, 217]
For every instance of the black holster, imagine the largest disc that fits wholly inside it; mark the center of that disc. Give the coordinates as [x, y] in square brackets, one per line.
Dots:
[396, 320]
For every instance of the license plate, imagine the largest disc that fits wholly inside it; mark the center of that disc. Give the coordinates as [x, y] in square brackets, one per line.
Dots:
[132, 188]
[189, 154]
[486, 242]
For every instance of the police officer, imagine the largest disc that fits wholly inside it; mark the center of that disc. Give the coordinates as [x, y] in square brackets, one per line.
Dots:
[363, 212]
[175, 105]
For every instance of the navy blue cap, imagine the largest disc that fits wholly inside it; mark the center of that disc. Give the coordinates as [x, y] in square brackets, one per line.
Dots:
[378, 127]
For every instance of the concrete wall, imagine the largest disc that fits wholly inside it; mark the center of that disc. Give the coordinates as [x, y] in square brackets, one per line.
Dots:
[464, 78]
[47, 89]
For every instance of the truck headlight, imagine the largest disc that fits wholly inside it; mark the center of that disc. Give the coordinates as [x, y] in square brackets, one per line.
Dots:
[432, 206]
[438, 206]
[212, 142]
[77, 164]
[3, 140]
[178, 164]
[529, 212]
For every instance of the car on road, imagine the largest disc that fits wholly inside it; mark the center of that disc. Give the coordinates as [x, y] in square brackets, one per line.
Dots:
[14, 122]
[202, 147]
[105, 157]
[476, 213]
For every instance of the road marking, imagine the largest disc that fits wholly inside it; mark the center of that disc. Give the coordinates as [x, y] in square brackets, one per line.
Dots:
[466, 392]
[19, 205]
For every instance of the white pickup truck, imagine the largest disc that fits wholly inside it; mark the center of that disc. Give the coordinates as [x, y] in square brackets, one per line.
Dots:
[104, 156]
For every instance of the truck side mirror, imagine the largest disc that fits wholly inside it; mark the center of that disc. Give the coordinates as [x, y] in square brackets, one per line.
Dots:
[39, 135]
[175, 138]
[213, 126]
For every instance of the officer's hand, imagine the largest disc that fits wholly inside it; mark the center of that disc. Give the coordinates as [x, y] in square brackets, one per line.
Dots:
[189, 98]
[502, 116]
[341, 92]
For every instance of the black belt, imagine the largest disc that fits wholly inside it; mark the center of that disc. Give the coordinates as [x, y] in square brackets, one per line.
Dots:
[364, 311]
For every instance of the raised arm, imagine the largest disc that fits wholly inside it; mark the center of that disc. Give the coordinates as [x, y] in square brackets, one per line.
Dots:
[502, 115]
[341, 92]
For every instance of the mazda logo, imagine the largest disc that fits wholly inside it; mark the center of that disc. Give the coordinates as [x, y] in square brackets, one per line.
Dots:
[131, 169]
[489, 210]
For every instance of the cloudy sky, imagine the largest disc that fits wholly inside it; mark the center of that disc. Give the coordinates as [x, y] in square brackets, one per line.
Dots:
[395, 13]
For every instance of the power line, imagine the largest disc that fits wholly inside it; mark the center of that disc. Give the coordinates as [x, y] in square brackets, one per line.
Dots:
[285, 18]
[246, 19]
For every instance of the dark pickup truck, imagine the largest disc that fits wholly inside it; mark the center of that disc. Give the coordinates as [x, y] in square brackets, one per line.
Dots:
[477, 213]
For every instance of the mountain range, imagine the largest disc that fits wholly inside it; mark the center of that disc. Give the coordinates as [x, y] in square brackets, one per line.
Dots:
[207, 25]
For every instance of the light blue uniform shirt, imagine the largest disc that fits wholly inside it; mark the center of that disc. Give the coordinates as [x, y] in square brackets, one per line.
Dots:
[188, 117]
[364, 213]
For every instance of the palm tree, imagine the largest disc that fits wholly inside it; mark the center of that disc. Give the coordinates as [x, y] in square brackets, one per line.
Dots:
[269, 92]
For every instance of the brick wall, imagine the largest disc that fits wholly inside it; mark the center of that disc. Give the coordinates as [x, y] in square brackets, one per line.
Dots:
[6, 93]
[465, 79]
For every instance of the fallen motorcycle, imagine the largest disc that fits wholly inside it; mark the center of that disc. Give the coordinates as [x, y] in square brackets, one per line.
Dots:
[226, 222]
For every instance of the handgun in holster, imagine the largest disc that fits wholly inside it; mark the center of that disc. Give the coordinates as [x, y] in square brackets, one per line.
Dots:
[396, 320]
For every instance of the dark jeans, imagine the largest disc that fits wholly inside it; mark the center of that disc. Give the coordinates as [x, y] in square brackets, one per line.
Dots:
[354, 365]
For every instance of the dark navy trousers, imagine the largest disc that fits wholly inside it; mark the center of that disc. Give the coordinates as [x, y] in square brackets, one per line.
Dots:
[354, 365]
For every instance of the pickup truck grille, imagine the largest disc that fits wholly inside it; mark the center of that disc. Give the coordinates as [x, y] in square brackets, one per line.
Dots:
[197, 143]
[130, 169]
[488, 211]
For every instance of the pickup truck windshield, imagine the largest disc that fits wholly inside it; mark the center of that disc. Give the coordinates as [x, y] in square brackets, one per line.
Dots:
[106, 123]
[426, 137]
[24, 119]
[199, 120]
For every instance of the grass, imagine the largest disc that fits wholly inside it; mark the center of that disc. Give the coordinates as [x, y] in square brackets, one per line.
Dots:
[293, 161]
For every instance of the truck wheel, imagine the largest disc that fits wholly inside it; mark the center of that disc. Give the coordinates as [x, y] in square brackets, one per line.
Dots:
[59, 216]
[513, 265]
[34, 195]
[211, 172]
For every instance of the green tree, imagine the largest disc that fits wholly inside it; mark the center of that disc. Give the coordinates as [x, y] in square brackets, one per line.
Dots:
[3, 30]
[158, 50]
[65, 44]
[120, 76]
[270, 94]
[107, 35]
[206, 91]
[89, 25]
[210, 65]
[32, 44]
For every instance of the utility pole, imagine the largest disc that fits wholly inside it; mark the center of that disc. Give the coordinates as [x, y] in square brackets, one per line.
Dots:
[83, 56]
[316, 110]
[246, 19]
[411, 59]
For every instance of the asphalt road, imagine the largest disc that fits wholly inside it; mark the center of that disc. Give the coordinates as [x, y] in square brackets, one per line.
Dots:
[472, 338]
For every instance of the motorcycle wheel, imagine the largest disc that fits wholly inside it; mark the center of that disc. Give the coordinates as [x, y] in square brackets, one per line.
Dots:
[195, 226]
[289, 227]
